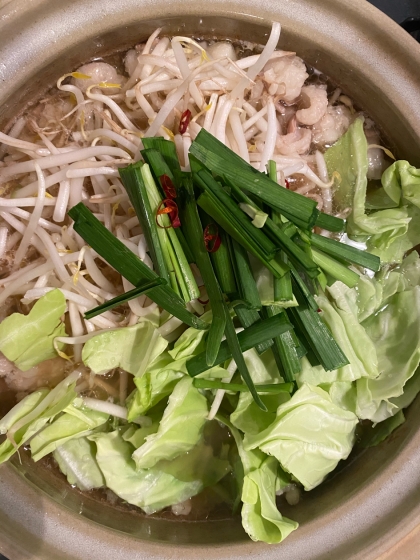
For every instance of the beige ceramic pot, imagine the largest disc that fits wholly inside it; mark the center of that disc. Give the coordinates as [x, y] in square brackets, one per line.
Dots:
[371, 508]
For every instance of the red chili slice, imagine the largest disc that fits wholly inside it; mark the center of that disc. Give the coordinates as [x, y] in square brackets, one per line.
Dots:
[169, 207]
[168, 186]
[212, 239]
[185, 121]
[287, 184]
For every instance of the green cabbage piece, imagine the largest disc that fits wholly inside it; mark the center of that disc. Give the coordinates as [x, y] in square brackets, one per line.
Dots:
[309, 437]
[387, 309]
[393, 229]
[340, 311]
[411, 390]
[163, 374]
[261, 518]
[248, 416]
[395, 332]
[373, 293]
[31, 414]
[130, 348]
[401, 181]
[190, 343]
[76, 460]
[374, 435]
[152, 387]
[391, 247]
[259, 480]
[166, 484]
[348, 157]
[28, 340]
[73, 423]
[341, 316]
[180, 428]
[137, 436]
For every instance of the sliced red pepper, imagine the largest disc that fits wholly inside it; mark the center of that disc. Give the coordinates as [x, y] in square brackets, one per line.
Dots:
[185, 121]
[168, 187]
[169, 207]
[212, 239]
[287, 184]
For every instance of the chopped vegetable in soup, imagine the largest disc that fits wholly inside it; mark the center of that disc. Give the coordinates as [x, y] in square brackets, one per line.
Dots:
[209, 279]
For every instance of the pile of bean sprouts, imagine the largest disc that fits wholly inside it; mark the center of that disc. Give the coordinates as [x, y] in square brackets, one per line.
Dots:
[69, 148]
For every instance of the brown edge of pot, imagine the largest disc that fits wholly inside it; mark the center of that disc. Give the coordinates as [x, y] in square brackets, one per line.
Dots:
[368, 55]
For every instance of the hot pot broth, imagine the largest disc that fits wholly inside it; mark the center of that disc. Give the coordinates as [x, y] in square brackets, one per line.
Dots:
[289, 114]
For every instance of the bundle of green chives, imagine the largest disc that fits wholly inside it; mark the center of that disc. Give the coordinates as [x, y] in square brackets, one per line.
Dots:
[167, 253]
[124, 261]
[275, 226]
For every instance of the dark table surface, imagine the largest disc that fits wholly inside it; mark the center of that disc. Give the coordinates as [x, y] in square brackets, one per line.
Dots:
[400, 11]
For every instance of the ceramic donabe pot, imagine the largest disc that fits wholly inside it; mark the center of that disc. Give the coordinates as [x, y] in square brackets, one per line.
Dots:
[368, 510]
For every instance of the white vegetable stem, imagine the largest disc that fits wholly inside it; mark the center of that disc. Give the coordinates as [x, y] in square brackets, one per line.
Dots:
[220, 393]
[107, 407]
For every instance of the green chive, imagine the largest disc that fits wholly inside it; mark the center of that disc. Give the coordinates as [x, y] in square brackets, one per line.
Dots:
[220, 160]
[123, 298]
[170, 242]
[237, 355]
[335, 269]
[128, 264]
[221, 260]
[278, 236]
[134, 185]
[330, 223]
[346, 252]
[272, 170]
[210, 204]
[284, 348]
[283, 288]
[317, 334]
[239, 387]
[298, 281]
[166, 148]
[157, 164]
[245, 281]
[194, 231]
[206, 181]
[248, 317]
[248, 338]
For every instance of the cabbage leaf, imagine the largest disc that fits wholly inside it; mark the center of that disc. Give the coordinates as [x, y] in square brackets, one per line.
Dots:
[130, 348]
[28, 340]
[168, 483]
[395, 332]
[341, 316]
[190, 343]
[152, 387]
[259, 480]
[374, 435]
[349, 159]
[261, 518]
[76, 460]
[248, 416]
[74, 423]
[33, 412]
[180, 428]
[309, 437]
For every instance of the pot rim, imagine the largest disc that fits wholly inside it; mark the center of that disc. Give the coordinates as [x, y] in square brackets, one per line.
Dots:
[29, 516]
